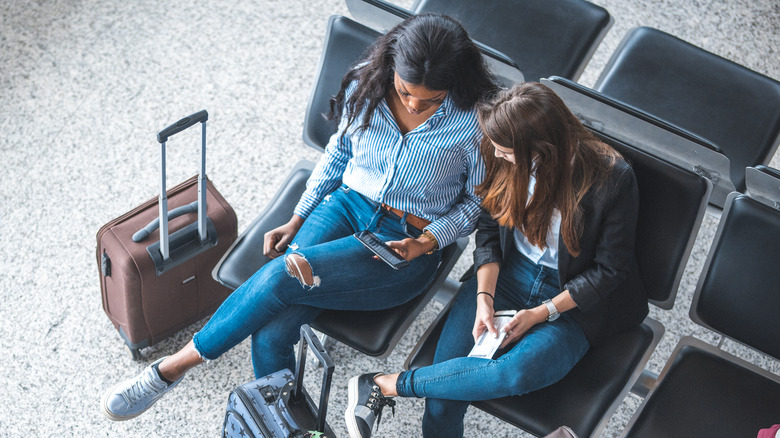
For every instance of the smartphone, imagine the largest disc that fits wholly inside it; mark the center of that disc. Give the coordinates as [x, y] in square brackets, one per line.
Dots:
[380, 248]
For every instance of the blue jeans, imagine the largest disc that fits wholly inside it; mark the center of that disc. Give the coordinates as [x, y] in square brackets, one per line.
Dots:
[272, 305]
[542, 357]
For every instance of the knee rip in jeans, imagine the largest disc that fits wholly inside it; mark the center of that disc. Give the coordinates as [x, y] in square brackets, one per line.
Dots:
[298, 267]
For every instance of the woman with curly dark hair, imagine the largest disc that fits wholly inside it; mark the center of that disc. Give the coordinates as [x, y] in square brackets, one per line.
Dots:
[403, 164]
[554, 253]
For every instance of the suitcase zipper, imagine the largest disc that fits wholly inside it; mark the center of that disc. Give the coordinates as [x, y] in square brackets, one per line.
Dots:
[241, 393]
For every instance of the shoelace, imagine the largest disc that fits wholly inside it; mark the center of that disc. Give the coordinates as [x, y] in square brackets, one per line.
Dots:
[377, 401]
[145, 385]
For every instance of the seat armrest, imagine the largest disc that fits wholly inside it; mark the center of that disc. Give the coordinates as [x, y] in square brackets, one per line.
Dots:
[245, 256]
[763, 185]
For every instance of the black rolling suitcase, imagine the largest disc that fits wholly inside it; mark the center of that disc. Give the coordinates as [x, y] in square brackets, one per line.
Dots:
[277, 405]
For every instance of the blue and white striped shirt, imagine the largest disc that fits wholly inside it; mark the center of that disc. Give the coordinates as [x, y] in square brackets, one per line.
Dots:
[430, 172]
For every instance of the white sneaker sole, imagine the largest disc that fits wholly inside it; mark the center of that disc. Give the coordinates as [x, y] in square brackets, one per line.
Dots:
[112, 416]
[349, 414]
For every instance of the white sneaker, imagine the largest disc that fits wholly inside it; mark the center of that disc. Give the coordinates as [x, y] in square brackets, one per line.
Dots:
[131, 398]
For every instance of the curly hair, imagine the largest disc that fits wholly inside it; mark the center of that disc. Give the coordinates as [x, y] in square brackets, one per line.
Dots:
[429, 49]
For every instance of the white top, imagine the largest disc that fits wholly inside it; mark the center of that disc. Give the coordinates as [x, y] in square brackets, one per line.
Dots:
[548, 256]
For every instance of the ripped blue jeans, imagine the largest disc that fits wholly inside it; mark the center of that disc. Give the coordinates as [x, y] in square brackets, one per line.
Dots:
[272, 304]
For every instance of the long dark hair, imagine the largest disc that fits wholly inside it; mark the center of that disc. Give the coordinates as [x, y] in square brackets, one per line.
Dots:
[546, 139]
[432, 50]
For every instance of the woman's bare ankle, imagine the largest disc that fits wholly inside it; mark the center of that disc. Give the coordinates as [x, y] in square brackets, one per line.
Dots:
[175, 366]
[386, 383]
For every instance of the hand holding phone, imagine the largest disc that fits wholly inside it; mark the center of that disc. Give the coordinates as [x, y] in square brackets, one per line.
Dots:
[380, 248]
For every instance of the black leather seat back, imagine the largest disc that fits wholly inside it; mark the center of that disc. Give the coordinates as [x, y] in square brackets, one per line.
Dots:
[345, 42]
[739, 291]
[543, 37]
[672, 197]
[671, 205]
[734, 107]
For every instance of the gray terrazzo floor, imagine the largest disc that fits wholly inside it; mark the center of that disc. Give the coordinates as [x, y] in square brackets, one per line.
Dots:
[84, 87]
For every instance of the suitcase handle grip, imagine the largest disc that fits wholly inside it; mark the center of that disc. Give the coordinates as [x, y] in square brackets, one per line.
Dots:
[181, 125]
[144, 232]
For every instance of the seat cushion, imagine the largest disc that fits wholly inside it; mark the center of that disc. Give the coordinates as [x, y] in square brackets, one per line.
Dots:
[586, 394]
[367, 331]
[246, 255]
[582, 398]
[703, 394]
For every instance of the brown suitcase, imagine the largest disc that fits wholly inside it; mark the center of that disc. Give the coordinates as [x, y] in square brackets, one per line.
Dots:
[152, 288]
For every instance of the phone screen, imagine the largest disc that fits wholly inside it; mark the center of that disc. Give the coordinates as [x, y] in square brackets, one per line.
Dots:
[380, 248]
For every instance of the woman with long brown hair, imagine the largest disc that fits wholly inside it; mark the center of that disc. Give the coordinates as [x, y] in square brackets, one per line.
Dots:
[555, 243]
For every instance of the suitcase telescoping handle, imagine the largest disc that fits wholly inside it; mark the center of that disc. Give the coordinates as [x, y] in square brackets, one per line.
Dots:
[308, 338]
[201, 116]
[162, 137]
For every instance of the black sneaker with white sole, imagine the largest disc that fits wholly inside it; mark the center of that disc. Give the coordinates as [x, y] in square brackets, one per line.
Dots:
[365, 405]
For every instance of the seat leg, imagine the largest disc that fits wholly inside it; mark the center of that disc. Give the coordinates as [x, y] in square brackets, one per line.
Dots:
[644, 383]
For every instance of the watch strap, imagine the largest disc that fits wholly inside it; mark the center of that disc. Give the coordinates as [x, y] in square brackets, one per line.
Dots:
[551, 310]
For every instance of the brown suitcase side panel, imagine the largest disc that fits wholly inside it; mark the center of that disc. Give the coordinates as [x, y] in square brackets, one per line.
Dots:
[148, 307]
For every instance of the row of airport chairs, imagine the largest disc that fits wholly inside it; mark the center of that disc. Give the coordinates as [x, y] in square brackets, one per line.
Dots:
[690, 123]
[730, 105]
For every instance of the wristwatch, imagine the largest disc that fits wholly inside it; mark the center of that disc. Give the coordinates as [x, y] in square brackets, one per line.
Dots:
[553, 311]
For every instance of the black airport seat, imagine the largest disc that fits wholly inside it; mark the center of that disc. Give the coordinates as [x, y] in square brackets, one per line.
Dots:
[345, 42]
[704, 390]
[672, 204]
[730, 105]
[542, 37]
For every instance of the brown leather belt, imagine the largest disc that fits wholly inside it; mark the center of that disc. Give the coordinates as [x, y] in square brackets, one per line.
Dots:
[411, 219]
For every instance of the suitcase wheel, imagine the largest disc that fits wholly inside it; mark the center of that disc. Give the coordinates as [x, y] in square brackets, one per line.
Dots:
[135, 353]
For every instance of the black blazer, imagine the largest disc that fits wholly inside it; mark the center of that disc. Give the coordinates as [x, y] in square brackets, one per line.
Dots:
[604, 279]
